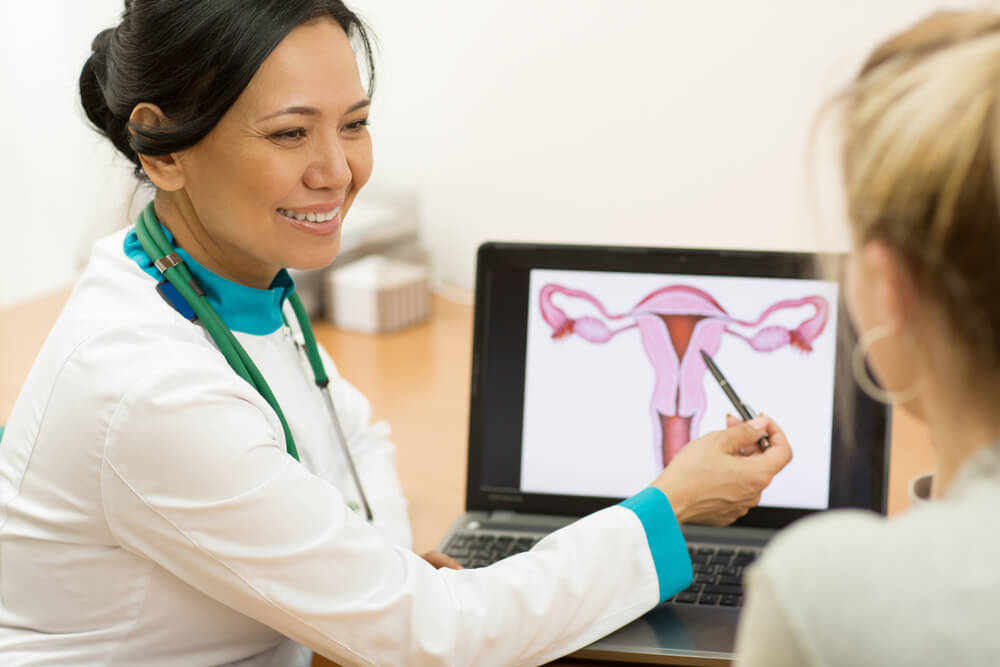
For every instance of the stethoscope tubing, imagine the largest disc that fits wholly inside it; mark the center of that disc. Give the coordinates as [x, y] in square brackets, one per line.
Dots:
[347, 452]
[160, 250]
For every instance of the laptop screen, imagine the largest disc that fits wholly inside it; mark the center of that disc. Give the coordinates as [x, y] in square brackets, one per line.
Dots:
[589, 379]
[615, 386]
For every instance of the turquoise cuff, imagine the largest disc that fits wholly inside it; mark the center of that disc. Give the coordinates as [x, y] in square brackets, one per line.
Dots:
[666, 542]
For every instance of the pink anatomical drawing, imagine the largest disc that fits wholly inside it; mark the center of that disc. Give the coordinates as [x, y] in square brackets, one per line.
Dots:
[674, 323]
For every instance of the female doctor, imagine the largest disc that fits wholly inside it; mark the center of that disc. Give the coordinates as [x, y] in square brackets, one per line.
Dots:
[172, 485]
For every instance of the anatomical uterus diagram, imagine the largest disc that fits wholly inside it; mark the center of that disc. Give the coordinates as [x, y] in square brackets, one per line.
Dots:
[674, 323]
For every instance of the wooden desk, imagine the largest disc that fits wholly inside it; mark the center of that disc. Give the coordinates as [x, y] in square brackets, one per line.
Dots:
[418, 381]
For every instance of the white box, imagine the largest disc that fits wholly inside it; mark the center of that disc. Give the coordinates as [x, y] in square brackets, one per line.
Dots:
[377, 294]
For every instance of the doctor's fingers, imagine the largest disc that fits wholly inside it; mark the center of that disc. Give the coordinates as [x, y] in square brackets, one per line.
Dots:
[779, 454]
[759, 470]
[440, 560]
[733, 421]
[742, 435]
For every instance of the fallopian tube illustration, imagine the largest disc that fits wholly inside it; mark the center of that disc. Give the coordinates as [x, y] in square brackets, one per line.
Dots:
[674, 323]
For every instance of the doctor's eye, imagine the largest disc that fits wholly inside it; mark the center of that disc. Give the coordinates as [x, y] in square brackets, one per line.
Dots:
[356, 126]
[289, 135]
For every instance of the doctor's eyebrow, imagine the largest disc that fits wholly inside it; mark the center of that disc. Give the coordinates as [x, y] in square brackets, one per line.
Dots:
[313, 111]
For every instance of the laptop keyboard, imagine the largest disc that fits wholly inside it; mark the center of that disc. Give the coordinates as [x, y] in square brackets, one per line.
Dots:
[718, 570]
[718, 576]
[481, 549]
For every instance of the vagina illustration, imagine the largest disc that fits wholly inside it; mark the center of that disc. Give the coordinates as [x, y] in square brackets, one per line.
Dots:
[674, 323]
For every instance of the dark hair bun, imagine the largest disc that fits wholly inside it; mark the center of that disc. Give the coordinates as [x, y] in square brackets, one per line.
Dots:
[93, 84]
[203, 54]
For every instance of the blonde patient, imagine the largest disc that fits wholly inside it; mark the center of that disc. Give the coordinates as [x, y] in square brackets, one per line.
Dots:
[920, 158]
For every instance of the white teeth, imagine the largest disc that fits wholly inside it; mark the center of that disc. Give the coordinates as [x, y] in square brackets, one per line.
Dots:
[311, 217]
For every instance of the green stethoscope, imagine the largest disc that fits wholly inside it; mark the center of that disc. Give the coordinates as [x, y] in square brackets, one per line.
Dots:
[169, 263]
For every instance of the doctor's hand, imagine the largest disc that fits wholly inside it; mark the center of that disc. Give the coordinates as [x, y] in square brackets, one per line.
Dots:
[439, 560]
[717, 478]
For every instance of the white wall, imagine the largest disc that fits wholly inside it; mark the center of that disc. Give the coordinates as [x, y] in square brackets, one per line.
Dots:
[60, 186]
[662, 122]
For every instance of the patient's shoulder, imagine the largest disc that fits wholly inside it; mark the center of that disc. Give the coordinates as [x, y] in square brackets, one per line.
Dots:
[858, 586]
[864, 547]
[803, 558]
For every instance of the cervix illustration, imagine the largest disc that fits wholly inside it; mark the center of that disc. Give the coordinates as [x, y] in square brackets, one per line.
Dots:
[674, 323]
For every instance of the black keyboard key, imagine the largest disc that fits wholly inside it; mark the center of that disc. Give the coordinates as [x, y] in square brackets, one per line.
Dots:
[719, 560]
[725, 552]
[731, 571]
[709, 598]
[706, 551]
[457, 552]
[485, 549]
[704, 568]
[731, 600]
[730, 580]
[723, 589]
[686, 598]
[704, 578]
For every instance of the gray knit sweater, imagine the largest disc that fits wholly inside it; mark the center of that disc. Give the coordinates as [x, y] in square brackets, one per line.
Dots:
[853, 588]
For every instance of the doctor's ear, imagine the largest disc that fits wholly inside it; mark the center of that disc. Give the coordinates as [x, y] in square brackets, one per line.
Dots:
[163, 170]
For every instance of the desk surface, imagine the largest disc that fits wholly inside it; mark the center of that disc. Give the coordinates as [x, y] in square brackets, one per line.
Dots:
[418, 381]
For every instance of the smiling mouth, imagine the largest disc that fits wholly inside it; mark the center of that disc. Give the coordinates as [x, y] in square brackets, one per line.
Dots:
[310, 217]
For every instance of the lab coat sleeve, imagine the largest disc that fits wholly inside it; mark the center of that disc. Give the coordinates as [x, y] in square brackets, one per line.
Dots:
[374, 455]
[195, 478]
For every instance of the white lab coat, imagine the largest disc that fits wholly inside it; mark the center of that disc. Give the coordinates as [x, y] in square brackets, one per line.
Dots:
[149, 515]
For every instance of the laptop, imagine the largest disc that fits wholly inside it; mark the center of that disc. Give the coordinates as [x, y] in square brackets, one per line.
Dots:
[586, 384]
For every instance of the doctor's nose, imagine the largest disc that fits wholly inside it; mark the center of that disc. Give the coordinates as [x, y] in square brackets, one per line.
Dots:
[330, 169]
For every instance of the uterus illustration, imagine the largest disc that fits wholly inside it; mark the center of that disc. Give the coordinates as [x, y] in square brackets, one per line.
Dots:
[674, 323]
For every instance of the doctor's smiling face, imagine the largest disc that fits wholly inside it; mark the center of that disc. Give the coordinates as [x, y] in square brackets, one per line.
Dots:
[269, 186]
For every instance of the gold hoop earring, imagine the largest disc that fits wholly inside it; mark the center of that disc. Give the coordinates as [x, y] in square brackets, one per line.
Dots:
[860, 369]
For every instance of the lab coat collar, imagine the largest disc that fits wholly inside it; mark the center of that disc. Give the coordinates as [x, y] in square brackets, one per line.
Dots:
[244, 309]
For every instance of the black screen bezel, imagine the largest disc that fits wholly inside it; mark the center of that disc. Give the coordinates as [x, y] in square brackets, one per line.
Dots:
[859, 475]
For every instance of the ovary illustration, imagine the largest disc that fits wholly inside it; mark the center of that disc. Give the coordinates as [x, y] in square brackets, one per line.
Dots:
[674, 323]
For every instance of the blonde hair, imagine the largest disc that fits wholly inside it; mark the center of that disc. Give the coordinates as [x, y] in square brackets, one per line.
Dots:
[921, 166]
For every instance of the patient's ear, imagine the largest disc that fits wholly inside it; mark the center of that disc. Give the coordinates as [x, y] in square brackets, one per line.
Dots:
[163, 170]
[890, 284]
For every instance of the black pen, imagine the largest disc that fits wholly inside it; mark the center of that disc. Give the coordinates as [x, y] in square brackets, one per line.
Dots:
[745, 410]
